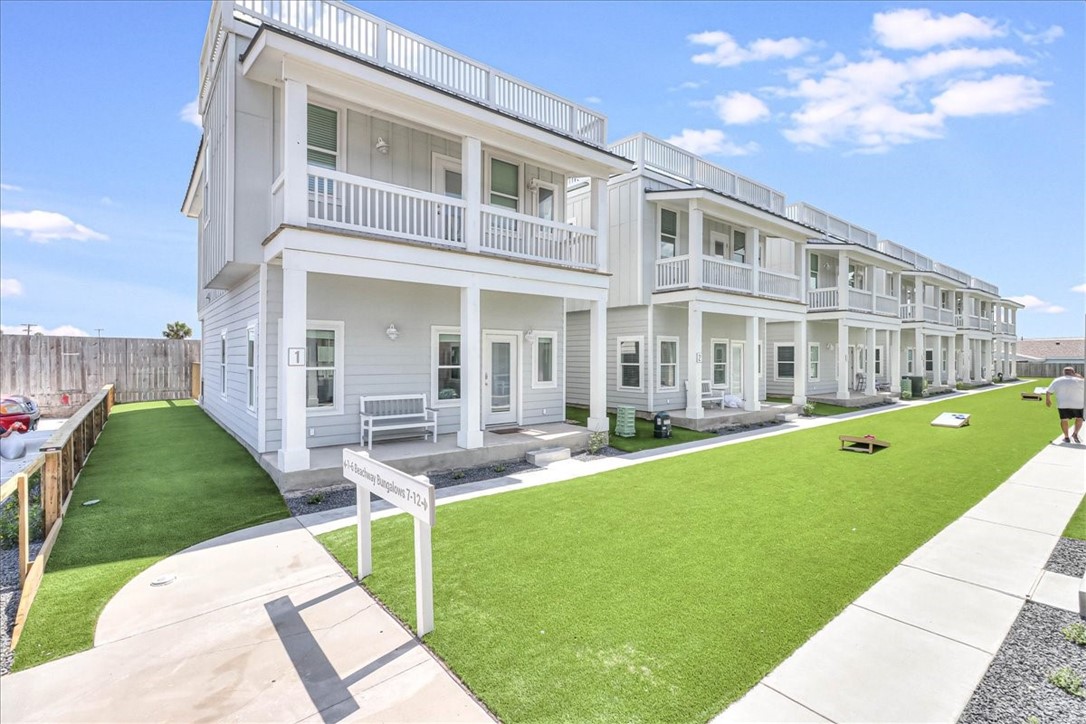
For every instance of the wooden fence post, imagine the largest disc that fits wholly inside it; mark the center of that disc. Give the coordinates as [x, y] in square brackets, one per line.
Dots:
[50, 488]
[24, 526]
[196, 380]
[109, 400]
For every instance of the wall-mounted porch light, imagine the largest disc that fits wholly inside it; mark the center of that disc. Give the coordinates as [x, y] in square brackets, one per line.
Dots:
[392, 332]
[381, 146]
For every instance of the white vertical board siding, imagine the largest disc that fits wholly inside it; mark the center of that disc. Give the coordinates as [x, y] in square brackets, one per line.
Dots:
[269, 346]
[253, 167]
[410, 151]
[233, 311]
[218, 120]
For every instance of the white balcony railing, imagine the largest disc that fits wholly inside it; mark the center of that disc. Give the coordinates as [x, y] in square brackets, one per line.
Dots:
[822, 299]
[356, 33]
[907, 312]
[829, 224]
[931, 314]
[361, 204]
[652, 153]
[672, 273]
[983, 286]
[727, 275]
[946, 316]
[859, 300]
[885, 304]
[778, 284]
[527, 237]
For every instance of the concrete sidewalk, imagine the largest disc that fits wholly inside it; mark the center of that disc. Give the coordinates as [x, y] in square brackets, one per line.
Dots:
[258, 625]
[916, 644]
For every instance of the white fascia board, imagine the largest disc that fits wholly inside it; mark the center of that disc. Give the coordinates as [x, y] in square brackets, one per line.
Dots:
[1011, 303]
[863, 253]
[194, 188]
[741, 213]
[935, 278]
[328, 253]
[273, 55]
[858, 319]
[735, 305]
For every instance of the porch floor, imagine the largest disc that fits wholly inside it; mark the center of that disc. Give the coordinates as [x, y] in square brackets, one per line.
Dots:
[716, 417]
[854, 399]
[417, 456]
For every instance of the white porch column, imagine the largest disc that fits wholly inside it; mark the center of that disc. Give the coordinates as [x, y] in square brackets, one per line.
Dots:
[869, 373]
[921, 355]
[951, 362]
[843, 383]
[295, 143]
[871, 286]
[470, 435]
[754, 249]
[842, 286]
[597, 366]
[1014, 359]
[694, 409]
[293, 454]
[750, 366]
[697, 245]
[471, 170]
[803, 363]
[893, 351]
[918, 301]
[600, 221]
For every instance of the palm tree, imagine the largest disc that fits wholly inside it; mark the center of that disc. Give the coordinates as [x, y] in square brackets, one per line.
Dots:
[177, 330]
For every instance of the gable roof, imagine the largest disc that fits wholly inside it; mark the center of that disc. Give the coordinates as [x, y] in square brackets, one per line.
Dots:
[1062, 348]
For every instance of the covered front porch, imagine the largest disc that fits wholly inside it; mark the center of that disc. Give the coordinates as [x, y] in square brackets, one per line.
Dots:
[715, 418]
[852, 399]
[418, 456]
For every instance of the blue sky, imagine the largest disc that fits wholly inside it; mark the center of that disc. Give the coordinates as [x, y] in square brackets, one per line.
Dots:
[955, 128]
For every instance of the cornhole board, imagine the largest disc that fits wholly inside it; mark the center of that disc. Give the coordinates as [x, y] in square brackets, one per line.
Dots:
[951, 419]
[1037, 394]
[861, 444]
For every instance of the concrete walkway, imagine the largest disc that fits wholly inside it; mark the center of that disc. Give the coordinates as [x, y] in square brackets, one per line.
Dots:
[916, 644]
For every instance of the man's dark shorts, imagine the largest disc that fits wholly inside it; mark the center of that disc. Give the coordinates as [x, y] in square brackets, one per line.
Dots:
[1069, 413]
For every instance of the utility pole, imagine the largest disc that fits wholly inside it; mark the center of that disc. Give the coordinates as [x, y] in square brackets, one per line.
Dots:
[99, 331]
[28, 327]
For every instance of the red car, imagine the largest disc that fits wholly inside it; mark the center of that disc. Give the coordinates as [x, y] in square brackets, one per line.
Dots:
[18, 408]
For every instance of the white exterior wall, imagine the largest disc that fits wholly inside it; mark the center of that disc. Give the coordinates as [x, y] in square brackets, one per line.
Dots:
[626, 322]
[820, 333]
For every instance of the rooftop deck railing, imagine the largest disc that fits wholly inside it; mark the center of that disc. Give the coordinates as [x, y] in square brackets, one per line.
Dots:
[649, 152]
[949, 271]
[361, 35]
[982, 285]
[838, 228]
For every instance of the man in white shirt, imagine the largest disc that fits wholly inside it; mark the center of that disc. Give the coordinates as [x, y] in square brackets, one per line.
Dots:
[1069, 391]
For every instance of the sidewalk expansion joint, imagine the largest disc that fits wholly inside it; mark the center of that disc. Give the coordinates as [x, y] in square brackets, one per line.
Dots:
[962, 580]
[797, 702]
[926, 630]
[1012, 527]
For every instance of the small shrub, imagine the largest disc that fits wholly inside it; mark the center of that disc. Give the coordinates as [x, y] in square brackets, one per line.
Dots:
[1033, 719]
[809, 409]
[314, 498]
[959, 385]
[499, 468]
[906, 394]
[1075, 633]
[1065, 678]
[458, 475]
[596, 442]
[9, 520]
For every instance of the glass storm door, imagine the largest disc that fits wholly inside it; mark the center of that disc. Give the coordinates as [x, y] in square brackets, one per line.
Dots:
[501, 381]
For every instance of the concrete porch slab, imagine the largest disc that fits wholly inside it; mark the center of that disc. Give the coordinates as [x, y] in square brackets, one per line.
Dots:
[716, 417]
[854, 399]
[866, 667]
[1029, 507]
[762, 704]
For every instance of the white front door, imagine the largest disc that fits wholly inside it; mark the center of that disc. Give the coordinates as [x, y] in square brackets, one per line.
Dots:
[736, 384]
[501, 378]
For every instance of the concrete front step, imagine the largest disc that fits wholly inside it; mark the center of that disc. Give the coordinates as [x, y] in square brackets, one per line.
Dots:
[547, 455]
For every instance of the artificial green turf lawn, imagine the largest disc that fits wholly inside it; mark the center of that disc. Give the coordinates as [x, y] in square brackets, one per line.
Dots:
[665, 590]
[821, 409]
[643, 428]
[168, 478]
[1076, 527]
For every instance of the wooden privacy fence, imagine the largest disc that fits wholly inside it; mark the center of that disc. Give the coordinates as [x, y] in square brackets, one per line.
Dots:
[62, 373]
[61, 459]
[1046, 369]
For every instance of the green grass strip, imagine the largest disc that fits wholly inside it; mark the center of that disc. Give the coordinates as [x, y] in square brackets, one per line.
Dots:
[168, 478]
[644, 439]
[664, 591]
[1076, 527]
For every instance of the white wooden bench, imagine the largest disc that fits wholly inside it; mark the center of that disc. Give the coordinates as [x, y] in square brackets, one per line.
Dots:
[708, 394]
[396, 412]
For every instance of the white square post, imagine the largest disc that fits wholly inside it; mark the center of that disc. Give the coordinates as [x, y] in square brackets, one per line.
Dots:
[597, 366]
[470, 435]
[893, 344]
[842, 355]
[293, 454]
[750, 365]
[802, 365]
[694, 410]
[869, 371]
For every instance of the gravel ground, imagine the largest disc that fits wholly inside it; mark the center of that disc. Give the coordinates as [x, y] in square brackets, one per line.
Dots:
[1069, 558]
[9, 599]
[1016, 686]
[733, 429]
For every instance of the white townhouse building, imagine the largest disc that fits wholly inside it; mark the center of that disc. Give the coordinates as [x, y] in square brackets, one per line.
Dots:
[703, 261]
[382, 216]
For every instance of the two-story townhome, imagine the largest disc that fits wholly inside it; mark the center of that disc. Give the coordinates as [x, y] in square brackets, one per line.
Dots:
[853, 322]
[379, 215]
[703, 260]
[1006, 338]
[975, 320]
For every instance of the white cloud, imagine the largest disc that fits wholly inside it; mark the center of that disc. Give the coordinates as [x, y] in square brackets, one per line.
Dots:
[1036, 304]
[1044, 37]
[10, 187]
[43, 226]
[711, 142]
[595, 100]
[64, 330]
[727, 52]
[11, 288]
[1080, 288]
[1002, 94]
[739, 108]
[687, 85]
[918, 29]
[190, 113]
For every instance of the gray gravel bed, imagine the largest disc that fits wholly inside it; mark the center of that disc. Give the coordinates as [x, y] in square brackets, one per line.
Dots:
[9, 599]
[1016, 686]
[341, 496]
[1068, 558]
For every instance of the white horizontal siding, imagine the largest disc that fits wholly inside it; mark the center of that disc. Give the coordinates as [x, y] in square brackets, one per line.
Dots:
[233, 312]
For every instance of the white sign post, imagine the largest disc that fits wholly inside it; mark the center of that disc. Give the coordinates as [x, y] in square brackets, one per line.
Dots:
[412, 495]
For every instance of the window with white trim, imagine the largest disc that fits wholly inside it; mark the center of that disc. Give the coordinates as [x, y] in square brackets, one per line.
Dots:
[324, 367]
[222, 362]
[720, 362]
[322, 136]
[718, 244]
[544, 356]
[504, 184]
[943, 363]
[546, 200]
[812, 271]
[667, 354]
[250, 366]
[812, 361]
[929, 360]
[857, 276]
[739, 246]
[447, 366]
[784, 356]
[910, 361]
[878, 360]
[669, 234]
[629, 363]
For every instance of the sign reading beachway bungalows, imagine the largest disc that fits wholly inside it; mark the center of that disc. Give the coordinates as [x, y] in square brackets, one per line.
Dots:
[412, 495]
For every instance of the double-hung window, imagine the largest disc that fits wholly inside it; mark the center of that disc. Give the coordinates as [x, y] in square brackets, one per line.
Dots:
[812, 361]
[739, 246]
[720, 363]
[668, 356]
[669, 233]
[322, 136]
[222, 362]
[629, 363]
[812, 271]
[447, 365]
[544, 354]
[786, 361]
[878, 360]
[504, 184]
[323, 360]
[250, 366]
[929, 360]
[910, 360]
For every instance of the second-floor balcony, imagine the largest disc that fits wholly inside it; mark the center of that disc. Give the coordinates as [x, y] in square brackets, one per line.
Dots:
[365, 205]
[926, 313]
[973, 321]
[727, 276]
[830, 299]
